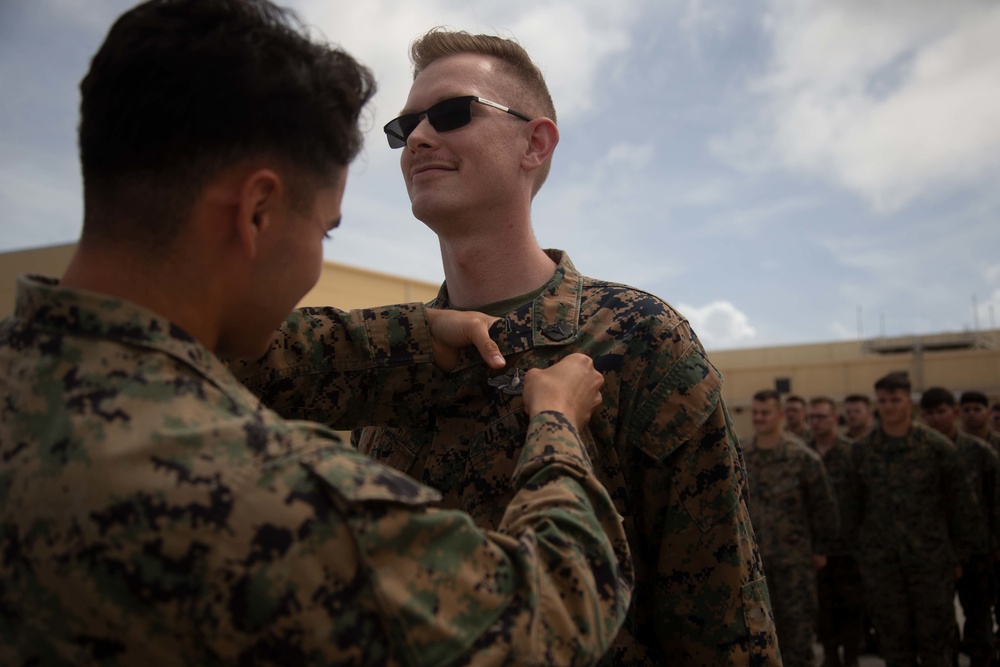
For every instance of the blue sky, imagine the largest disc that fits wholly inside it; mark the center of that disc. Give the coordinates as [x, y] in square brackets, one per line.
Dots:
[772, 169]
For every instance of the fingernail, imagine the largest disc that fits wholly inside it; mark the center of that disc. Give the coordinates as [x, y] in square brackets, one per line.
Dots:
[499, 360]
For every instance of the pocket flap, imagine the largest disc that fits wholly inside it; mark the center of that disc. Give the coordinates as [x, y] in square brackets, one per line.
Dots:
[360, 479]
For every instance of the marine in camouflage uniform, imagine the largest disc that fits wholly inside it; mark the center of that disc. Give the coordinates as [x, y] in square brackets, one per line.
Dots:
[976, 588]
[912, 515]
[794, 514]
[992, 437]
[153, 511]
[975, 412]
[662, 444]
[797, 425]
[840, 591]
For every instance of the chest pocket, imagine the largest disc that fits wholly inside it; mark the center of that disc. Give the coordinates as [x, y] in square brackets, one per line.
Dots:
[394, 447]
[783, 493]
[914, 477]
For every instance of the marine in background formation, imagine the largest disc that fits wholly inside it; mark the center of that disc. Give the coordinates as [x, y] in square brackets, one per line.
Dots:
[857, 416]
[912, 513]
[795, 516]
[976, 588]
[840, 591]
[795, 418]
[975, 414]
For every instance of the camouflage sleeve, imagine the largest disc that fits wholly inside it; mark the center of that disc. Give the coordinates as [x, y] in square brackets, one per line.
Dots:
[710, 600]
[357, 567]
[344, 369]
[824, 516]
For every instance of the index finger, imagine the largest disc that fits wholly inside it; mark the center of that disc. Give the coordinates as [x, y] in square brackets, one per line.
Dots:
[479, 336]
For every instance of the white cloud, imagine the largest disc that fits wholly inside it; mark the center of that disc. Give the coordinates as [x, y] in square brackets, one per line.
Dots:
[720, 324]
[569, 41]
[839, 331]
[989, 307]
[892, 100]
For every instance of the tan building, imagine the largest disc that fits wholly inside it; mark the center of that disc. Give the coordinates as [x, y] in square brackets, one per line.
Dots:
[960, 361]
[339, 285]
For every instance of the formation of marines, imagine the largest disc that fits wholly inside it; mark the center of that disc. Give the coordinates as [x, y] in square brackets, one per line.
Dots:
[916, 518]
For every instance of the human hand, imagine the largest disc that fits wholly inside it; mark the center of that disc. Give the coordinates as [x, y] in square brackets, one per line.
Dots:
[571, 387]
[451, 330]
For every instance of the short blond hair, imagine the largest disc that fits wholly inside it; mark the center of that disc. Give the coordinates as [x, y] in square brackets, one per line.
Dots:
[529, 85]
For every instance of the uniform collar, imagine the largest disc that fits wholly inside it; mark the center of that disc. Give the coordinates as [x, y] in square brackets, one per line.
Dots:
[43, 304]
[551, 319]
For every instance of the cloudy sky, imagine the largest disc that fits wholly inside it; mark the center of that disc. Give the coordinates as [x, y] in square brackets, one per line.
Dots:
[782, 172]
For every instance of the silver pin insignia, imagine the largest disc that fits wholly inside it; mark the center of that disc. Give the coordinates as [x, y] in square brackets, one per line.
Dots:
[510, 383]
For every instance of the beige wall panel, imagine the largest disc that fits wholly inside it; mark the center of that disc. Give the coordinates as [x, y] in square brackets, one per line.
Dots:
[47, 261]
[348, 287]
[339, 285]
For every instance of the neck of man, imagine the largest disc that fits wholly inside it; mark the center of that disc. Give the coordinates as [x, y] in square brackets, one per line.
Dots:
[855, 433]
[485, 269]
[768, 440]
[165, 287]
[897, 430]
[982, 433]
[951, 432]
[825, 443]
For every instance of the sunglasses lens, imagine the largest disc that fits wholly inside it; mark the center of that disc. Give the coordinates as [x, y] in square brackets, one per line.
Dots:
[450, 114]
[398, 129]
[443, 116]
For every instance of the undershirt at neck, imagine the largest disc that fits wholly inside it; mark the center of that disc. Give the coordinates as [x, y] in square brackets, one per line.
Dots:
[501, 308]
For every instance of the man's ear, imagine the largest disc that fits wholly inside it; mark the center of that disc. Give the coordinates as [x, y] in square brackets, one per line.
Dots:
[541, 142]
[259, 202]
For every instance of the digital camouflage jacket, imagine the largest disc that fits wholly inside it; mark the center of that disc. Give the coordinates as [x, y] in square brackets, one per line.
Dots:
[909, 502]
[662, 444]
[792, 504]
[982, 467]
[153, 512]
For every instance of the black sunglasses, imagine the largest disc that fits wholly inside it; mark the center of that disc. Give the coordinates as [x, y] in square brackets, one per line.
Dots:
[444, 116]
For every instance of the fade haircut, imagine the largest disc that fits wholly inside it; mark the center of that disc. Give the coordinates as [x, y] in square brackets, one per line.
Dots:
[181, 90]
[793, 398]
[858, 398]
[894, 382]
[767, 395]
[529, 94]
[935, 397]
[974, 397]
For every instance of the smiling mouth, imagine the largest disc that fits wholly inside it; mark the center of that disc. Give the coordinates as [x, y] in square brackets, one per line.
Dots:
[429, 169]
